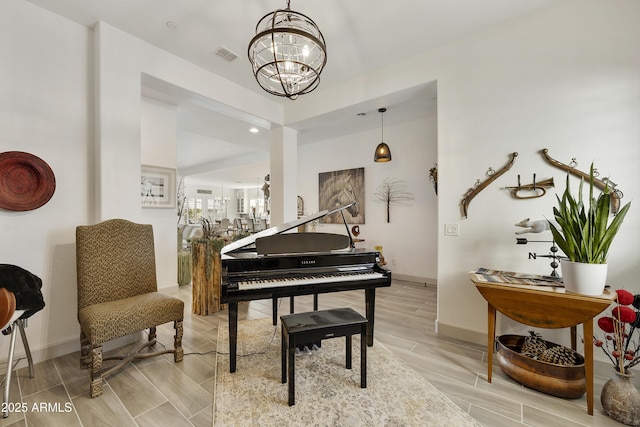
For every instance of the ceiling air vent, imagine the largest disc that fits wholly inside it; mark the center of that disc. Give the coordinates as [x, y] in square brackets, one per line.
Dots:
[226, 54]
[201, 191]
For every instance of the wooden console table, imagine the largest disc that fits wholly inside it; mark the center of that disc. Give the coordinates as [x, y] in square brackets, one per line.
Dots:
[540, 305]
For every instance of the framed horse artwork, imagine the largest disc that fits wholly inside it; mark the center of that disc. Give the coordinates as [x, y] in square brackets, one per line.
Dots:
[338, 188]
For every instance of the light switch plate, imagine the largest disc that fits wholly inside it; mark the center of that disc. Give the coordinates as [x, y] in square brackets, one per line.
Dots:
[451, 229]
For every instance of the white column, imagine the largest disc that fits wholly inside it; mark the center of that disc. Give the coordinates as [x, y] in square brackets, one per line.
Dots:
[284, 175]
[118, 88]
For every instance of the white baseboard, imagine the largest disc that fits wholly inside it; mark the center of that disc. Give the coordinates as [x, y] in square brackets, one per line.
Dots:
[416, 279]
[476, 337]
[169, 289]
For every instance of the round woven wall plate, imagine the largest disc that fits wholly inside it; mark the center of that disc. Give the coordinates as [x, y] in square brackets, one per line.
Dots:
[26, 181]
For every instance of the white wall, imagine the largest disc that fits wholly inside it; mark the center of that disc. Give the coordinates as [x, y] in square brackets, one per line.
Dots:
[45, 107]
[158, 126]
[566, 78]
[528, 85]
[409, 240]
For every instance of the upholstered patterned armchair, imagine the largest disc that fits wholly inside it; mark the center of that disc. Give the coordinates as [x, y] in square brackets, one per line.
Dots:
[117, 293]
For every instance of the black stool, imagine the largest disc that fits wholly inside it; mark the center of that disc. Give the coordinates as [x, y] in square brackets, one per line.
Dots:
[318, 325]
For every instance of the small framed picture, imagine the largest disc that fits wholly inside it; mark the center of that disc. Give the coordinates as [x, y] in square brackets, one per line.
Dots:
[157, 187]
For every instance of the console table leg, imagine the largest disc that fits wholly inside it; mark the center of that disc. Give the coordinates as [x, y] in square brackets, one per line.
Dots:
[491, 339]
[587, 328]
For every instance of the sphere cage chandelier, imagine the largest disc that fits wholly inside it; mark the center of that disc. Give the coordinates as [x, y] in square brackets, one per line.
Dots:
[383, 152]
[287, 53]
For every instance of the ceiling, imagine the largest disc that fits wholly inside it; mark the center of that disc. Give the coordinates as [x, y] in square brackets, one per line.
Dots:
[356, 42]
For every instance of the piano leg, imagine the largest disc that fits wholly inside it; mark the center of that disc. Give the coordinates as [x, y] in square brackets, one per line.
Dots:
[315, 302]
[291, 305]
[274, 310]
[370, 306]
[233, 335]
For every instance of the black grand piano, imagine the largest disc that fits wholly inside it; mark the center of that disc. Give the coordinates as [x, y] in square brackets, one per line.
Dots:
[273, 264]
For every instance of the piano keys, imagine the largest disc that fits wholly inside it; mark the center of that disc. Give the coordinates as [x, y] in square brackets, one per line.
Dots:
[273, 264]
[306, 279]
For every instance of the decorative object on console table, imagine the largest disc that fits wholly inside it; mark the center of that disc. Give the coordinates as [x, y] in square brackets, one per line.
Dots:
[583, 278]
[561, 380]
[585, 237]
[539, 226]
[619, 397]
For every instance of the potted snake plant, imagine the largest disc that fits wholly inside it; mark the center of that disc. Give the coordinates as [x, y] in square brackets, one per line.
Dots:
[584, 233]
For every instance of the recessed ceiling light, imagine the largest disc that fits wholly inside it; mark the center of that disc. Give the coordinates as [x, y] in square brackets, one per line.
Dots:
[361, 114]
[254, 130]
[172, 25]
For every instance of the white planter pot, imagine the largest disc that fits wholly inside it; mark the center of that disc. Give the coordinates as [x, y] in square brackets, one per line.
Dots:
[582, 278]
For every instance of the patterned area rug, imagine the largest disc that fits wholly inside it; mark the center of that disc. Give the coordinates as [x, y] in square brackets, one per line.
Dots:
[327, 394]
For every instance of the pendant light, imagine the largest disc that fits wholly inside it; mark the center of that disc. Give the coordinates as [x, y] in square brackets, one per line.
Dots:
[287, 53]
[383, 152]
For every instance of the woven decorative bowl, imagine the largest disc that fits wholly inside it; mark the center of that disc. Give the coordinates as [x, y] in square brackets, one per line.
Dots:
[557, 380]
[26, 181]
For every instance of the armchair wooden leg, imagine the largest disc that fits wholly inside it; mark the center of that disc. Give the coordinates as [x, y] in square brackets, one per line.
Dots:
[96, 367]
[178, 355]
[85, 348]
[152, 333]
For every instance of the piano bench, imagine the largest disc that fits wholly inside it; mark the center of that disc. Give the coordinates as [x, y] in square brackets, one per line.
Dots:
[315, 326]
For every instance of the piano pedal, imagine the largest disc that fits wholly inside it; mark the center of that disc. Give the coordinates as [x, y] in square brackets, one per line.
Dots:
[298, 352]
[307, 350]
[315, 348]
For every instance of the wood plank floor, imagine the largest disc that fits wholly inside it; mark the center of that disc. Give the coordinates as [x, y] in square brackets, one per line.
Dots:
[157, 392]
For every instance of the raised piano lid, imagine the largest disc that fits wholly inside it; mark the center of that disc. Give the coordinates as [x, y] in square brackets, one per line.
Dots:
[250, 241]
